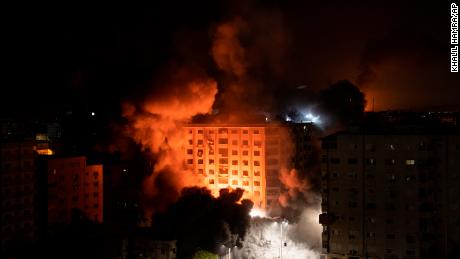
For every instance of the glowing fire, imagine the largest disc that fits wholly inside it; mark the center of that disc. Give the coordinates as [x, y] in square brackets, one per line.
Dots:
[257, 212]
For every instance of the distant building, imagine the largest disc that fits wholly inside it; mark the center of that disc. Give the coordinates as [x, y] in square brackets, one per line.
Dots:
[17, 183]
[246, 156]
[72, 184]
[390, 194]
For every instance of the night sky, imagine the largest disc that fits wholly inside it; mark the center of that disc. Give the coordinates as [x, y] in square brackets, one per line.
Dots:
[93, 57]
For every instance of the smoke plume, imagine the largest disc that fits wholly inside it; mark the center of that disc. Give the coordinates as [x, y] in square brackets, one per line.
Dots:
[200, 221]
[157, 124]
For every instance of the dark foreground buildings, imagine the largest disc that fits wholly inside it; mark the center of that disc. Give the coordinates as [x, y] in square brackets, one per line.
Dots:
[391, 193]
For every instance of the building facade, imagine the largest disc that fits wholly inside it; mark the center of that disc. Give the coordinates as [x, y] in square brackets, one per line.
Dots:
[248, 156]
[17, 184]
[72, 184]
[390, 195]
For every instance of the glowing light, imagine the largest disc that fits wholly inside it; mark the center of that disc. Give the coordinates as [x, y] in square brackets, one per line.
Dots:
[312, 118]
[46, 152]
[256, 212]
[93, 114]
[287, 118]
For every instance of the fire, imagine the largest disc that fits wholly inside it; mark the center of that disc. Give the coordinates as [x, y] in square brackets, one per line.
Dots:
[157, 125]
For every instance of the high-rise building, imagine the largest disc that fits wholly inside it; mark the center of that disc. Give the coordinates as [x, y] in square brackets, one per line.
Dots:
[392, 194]
[246, 156]
[17, 184]
[72, 184]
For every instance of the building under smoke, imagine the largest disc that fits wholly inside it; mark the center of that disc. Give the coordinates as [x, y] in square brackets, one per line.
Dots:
[246, 156]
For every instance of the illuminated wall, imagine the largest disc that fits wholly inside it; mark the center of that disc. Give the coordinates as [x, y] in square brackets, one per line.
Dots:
[237, 156]
[73, 184]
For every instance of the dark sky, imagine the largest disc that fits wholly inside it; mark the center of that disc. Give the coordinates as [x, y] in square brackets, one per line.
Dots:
[93, 57]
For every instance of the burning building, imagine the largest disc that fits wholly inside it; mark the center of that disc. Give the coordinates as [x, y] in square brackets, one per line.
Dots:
[246, 156]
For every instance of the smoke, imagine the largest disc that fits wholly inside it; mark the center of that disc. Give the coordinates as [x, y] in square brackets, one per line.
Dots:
[200, 221]
[157, 124]
[266, 237]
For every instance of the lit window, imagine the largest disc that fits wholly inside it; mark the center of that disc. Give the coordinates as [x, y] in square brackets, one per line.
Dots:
[223, 161]
[235, 182]
[223, 180]
[245, 183]
[410, 162]
[223, 141]
[371, 161]
[235, 172]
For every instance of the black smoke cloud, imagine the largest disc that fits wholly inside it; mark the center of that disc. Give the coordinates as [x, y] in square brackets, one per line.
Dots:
[200, 221]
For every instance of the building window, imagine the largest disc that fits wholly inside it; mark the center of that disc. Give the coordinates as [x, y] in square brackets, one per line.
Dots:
[234, 131]
[245, 142]
[235, 182]
[371, 161]
[211, 151]
[256, 183]
[245, 162]
[211, 171]
[200, 152]
[223, 141]
[200, 171]
[200, 161]
[234, 152]
[245, 131]
[211, 131]
[245, 183]
[245, 173]
[391, 236]
[223, 161]
[211, 181]
[256, 173]
[190, 161]
[410, 162]
[235, 172]
[256, 153]
[257, 143]
[223, 170]
[390, 161]
[223, 152]
[200, 142]
[190, 151]
[223, 131]
[211, 161]
[223, 180]
[245, 153]
[234, 162]
[256, 163]
[200, 131]
[234, 142]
